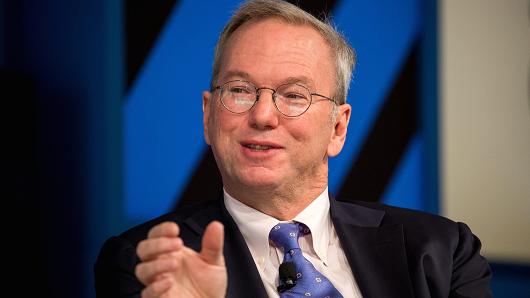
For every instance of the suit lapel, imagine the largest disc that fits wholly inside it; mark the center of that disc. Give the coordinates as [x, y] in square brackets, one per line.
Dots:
[376, 253]
[243, 276]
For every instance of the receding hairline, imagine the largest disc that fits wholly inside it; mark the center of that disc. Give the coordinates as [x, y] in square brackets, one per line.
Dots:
[255, 20]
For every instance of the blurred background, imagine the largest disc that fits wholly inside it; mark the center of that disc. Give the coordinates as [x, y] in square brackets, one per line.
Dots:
[102, 113]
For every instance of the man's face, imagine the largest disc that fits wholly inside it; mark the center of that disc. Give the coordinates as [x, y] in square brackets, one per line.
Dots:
[293, 151]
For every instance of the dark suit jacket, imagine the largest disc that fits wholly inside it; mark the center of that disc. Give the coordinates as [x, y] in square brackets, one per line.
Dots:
[393, 252]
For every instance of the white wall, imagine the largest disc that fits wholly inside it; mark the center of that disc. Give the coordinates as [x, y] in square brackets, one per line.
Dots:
[485, 121]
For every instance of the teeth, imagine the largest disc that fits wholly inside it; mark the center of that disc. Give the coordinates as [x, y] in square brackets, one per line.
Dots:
[258, 147]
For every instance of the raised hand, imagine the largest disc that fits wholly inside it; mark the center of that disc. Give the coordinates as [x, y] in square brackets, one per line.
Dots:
[171, 269]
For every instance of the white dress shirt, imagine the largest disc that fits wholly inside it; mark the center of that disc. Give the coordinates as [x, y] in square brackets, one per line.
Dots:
[321, 247]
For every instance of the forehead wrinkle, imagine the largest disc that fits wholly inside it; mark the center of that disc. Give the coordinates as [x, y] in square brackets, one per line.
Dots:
[303, 74]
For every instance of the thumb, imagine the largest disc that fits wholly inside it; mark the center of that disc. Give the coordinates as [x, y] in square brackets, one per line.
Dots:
[212, 244]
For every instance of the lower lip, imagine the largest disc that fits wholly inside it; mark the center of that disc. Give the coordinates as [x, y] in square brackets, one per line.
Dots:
[259, 153]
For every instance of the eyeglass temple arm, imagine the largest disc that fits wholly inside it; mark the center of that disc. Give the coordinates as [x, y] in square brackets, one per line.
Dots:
[328, 98]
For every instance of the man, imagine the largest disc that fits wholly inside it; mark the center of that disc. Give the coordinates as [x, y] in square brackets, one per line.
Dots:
[275, 112]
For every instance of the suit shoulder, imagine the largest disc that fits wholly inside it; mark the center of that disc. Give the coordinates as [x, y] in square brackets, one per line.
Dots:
[436, 245]
[179, 216]
[418, 224]
[397, 215]
[114, 266]
[423, 231]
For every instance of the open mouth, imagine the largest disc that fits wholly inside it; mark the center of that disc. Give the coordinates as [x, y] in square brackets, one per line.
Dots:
[258, 147]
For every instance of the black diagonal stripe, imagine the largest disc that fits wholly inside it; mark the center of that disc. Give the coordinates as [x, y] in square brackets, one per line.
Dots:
[318, 8]
[143, 22]
[387, 141]
[206, 184]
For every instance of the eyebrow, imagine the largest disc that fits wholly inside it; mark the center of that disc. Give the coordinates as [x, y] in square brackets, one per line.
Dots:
[236, 73]
[303, 80]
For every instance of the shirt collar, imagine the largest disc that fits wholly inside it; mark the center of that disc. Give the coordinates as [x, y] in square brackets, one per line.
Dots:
[316, 217]
[255, 225]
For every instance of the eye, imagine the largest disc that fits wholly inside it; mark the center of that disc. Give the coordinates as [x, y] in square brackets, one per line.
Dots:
[295, 96]
[239, 89]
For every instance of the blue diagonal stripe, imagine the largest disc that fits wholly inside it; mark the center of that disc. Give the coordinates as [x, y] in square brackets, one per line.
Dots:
[382, 33]
[163, 115]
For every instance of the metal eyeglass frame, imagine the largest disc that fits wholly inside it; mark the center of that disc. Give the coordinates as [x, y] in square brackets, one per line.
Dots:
[257, 90]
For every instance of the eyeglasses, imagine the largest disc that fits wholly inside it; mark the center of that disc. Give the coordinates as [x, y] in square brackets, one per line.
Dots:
[291, 100]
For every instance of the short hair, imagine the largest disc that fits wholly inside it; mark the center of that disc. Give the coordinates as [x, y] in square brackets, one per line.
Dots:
[262, 9]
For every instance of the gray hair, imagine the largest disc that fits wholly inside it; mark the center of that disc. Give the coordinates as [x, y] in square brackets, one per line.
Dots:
[261, 9]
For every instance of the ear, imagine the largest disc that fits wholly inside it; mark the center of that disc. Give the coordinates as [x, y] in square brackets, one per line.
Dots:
[340, 128]
[206, 102]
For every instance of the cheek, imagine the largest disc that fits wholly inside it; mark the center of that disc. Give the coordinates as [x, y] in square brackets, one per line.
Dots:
[313, 129]
[311, 139]
[222, 130]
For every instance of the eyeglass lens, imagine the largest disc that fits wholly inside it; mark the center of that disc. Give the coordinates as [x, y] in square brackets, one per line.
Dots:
[290, 99]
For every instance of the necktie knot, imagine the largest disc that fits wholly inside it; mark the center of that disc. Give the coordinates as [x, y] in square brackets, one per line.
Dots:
[285, 235]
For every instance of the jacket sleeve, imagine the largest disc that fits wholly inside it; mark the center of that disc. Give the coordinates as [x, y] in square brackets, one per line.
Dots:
[114, 270]
[471, 273]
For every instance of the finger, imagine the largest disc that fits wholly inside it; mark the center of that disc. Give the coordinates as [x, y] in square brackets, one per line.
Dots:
[147, 272]
[212, 244]
[151, 248]
[165, 229]
[157, 288]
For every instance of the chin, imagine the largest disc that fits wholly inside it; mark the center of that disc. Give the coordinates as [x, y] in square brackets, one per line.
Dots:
[263, 178]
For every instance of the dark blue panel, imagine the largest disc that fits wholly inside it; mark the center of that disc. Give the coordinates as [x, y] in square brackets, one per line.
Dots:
[429, 104]
[510, 280]
[70, 53]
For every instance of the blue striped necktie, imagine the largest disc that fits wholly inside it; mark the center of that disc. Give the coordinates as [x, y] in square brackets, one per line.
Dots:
[309, 282]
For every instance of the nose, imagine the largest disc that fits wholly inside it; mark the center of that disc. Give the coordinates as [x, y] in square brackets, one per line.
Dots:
[264, 114]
